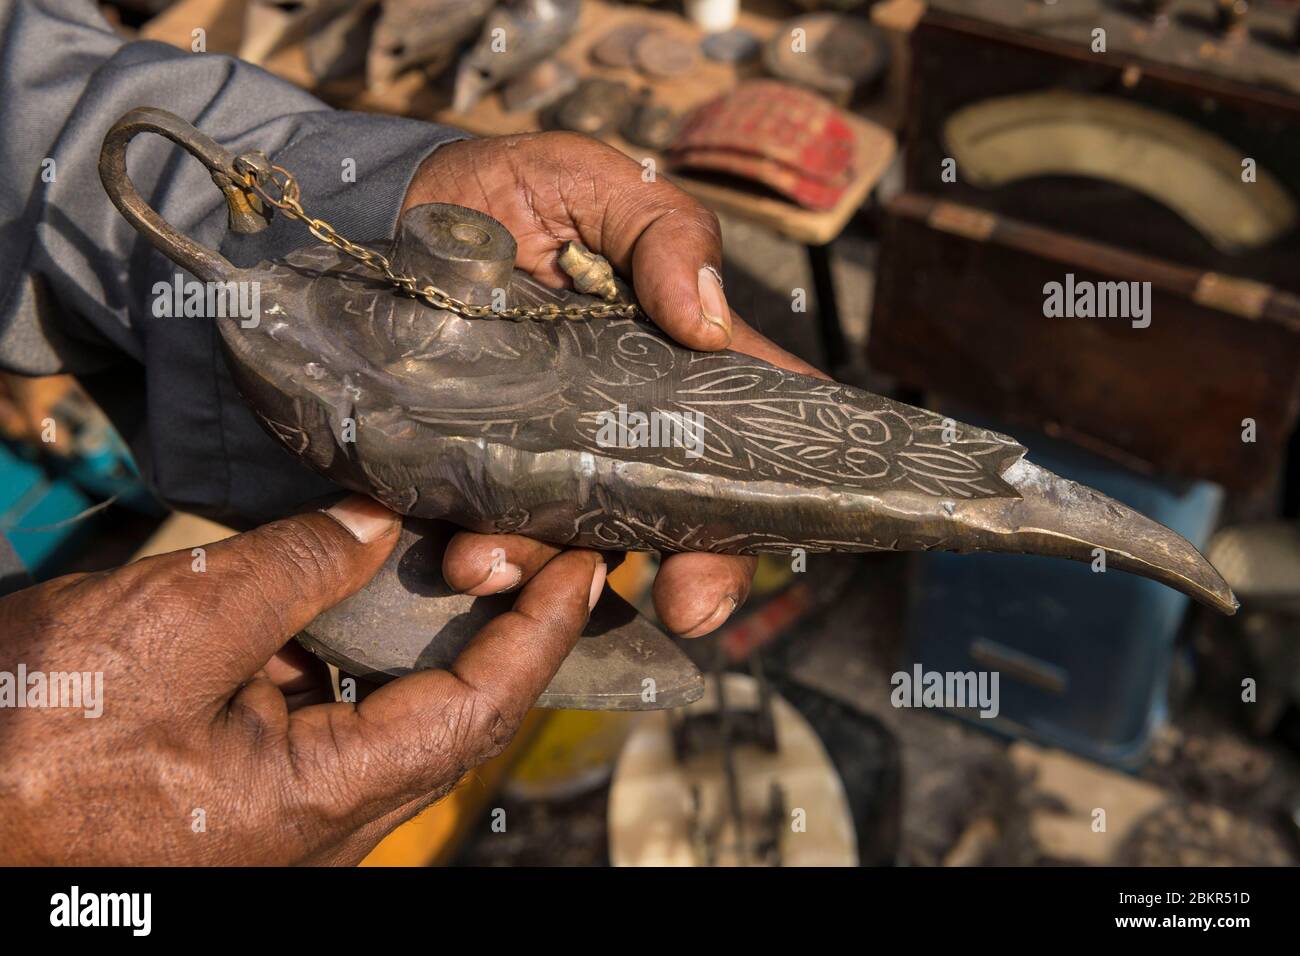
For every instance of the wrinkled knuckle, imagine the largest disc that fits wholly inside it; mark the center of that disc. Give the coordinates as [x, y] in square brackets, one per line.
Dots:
[702, 218]
[480, 730]
[676, 217]
[306, 552]
[259, 722]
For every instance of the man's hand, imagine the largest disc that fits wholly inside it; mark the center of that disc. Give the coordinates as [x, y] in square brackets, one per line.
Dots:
[200, 754]
[548, 188]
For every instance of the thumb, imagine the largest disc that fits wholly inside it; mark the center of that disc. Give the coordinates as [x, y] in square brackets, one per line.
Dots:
[672, 247]
[676, 271]
[271, 582]
[415, 736]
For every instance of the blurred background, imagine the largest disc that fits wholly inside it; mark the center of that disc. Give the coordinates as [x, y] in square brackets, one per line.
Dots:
[897, 181]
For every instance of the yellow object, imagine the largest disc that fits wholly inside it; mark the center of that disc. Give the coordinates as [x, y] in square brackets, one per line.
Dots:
[574, 752]
[431, 839]
[774, 572]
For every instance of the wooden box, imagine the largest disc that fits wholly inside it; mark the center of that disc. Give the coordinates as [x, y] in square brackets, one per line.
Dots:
[960, 310]
[1140, 144]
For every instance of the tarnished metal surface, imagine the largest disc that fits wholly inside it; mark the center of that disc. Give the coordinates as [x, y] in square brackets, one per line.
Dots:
[597, 106]
[548, 82]
[650, 125]
[407, 619]
[617, 48]
[517, 35]
[666, 55]
[421, 33]
[501, 426]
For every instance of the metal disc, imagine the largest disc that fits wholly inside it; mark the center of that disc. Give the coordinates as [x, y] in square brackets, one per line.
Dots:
[663, 55]
[616, 48]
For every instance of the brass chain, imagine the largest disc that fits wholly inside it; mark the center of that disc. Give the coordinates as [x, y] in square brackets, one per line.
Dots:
[289, 203]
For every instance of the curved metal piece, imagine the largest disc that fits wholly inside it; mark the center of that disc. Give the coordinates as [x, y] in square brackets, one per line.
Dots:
[247, 213]
[1063, 133]
[1059, 517]
[838, 56]
[271, 26]
[407, 619]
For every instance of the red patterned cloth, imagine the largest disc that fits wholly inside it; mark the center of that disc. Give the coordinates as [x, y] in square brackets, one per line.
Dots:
[783, 136]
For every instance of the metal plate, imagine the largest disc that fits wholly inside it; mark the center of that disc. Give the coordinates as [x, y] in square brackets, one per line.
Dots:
[1262, 51]
[617, 47]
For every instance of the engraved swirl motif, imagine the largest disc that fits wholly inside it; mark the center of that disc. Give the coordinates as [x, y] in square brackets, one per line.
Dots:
[640, 356]
[764, 423]
[554, 385]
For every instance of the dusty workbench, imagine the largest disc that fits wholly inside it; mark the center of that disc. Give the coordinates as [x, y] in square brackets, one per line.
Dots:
[416, 95]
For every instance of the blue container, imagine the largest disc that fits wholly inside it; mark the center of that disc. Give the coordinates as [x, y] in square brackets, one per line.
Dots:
[1083, 657]
[33, 508]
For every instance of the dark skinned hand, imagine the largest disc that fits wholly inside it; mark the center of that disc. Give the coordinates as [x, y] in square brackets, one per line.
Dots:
[202, 751]
[548, 188]
[236, 736]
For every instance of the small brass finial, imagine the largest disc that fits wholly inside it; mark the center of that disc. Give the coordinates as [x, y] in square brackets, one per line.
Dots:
[591, 273]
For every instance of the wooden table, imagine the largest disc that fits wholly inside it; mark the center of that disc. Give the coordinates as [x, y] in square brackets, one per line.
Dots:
[412, 95]
[416, 96]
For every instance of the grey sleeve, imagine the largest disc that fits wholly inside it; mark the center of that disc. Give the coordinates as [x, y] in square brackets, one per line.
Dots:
[76, 281]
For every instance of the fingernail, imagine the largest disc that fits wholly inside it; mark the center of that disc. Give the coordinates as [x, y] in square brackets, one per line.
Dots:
[597, 585]
[501, 576]
[726, 607]
[713, 304]
[364, 518]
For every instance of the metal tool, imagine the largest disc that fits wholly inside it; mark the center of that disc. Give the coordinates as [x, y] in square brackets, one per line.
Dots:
[272, 26]
[547, 83]
[717, 735]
